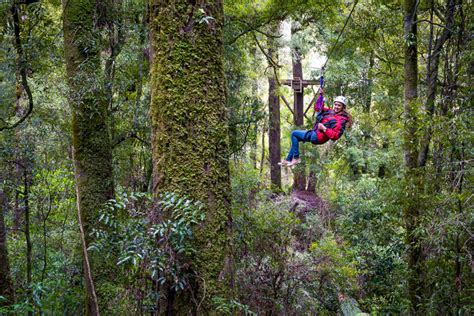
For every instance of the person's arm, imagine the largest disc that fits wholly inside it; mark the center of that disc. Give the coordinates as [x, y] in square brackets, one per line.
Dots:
[335, 132]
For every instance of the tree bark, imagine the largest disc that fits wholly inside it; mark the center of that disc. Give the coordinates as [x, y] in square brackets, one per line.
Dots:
[262, 156]
[111, 17]
[255, 109]
[312, 182]
[29, 247]
[190, 134]
[432, 78]
[90, 135]
[274, 132]
[412, 177]
[411, 84]
[370, 83]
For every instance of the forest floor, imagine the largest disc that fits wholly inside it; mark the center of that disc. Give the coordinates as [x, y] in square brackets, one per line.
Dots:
[306, 201]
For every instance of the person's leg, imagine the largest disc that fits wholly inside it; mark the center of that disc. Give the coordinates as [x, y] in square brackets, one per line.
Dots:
[296, 137]
[313, 137]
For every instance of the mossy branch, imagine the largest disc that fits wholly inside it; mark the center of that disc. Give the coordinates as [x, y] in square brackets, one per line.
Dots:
[22, 69]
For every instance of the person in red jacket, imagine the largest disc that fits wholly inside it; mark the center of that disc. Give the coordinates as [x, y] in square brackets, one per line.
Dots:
[330, 124]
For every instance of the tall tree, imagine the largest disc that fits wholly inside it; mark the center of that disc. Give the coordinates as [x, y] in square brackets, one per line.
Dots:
[412, 205]
[22, 162]
[190, 133]
[92, 149]
[255, 108]
[432, 74]
[274, 115]
[416, 149]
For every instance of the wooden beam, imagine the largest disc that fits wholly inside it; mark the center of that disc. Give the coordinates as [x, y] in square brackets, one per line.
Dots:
[287, 104]
[309, 105]
[288, 82]
[310, 82]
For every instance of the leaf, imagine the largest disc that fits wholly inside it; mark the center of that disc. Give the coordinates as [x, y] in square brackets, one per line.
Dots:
[123, 260]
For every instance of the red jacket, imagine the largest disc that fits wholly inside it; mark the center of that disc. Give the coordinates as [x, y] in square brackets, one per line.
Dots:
[334, 122]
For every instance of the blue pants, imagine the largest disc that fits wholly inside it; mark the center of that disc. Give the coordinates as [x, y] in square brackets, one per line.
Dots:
[300, 136]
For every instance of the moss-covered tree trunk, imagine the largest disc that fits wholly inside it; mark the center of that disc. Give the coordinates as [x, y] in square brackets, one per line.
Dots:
[190, 132]
[91, 141]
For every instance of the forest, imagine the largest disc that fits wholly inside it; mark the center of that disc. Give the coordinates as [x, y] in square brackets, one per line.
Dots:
[149, 159]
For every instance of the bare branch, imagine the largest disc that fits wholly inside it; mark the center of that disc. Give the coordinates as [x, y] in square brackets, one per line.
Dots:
[437, 24]
[269, 58]
[256, 27]
[132, 134]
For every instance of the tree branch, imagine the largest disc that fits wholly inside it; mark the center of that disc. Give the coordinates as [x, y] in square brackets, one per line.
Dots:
[22, 68]
[132, 134]
[255, 27]
[269, 58]
[437, 24]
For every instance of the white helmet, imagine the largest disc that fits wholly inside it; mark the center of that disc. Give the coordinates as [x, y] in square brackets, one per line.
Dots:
[341, 99]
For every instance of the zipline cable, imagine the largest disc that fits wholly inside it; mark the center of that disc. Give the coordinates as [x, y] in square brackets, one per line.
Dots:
[318, 106]
[339, 36]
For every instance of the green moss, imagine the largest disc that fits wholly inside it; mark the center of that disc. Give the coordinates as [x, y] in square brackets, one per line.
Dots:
[91, 141]
[189, 122]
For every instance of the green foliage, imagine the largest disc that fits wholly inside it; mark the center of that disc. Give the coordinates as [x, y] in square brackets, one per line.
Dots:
[224, 306]
[160, 252]
[56, 270]
[342, 257]
[371, 225]
[276, 270]
[7, 65]
[336, 262]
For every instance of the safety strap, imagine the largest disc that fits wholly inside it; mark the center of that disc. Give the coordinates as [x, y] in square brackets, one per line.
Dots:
[319, 105]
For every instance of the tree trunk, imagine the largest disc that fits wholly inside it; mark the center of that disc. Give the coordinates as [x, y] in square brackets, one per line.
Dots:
[383, 166]
[90, 135]
[370, 83]
[411, 84]
[412, 177]
[255, 109]
[298, 110]
[190, 133]
[6, 284]
[262, 157]
[29, 247]
[432, 77]
[274, 133]
[312, 182]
